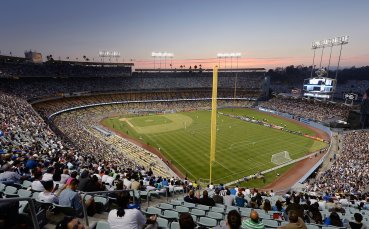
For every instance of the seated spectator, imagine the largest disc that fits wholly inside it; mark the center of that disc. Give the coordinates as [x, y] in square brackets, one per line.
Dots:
[233, 220]
[267, 206]
[358, 222]
[333, 219]
[186, 221]
[205, 200]
[84, 179]
[69, 197]
[49, 174]
[135, 184]
[252, 204]
[294, 221]
[228, 199]
[94, 185]
[151, 186]
[240, 199]
[296, 206]
[48, 196]
[278, 206]
[32, 162]
[314, 214]
[58, 186]
[73, 176]
[10, 177]
[123, 217]
[37, 184]
[254, 222]
[218, 199]
[64, 177]
[191, 197]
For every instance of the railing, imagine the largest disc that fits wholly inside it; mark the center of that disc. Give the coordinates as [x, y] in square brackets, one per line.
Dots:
[31, 207]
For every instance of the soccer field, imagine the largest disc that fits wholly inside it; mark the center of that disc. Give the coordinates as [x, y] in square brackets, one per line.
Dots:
[242, 149]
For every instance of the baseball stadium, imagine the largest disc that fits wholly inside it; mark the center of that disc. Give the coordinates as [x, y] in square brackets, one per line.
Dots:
[100, 140]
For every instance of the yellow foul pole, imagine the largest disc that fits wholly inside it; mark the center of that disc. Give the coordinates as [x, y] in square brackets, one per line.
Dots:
[213, 134]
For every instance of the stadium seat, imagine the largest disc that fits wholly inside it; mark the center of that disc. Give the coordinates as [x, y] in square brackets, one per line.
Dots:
[189, 205]
[165, 206]
[10, 191]
[69, 211]
[230, 208]
[312, 226]
[181, 209]
[197, 212]
[264, 216]
[102, 225]
[217, 209]
[152, 211]
[2, 187]
[42, 204]
[24, 193]
[175, 202]
[170, 215]
[162, 223]
[221, 206]
[207, 222]
[35, 195]
[26, 184]
[215, 215]
[174, 225]
[203, 207]
[270, 223]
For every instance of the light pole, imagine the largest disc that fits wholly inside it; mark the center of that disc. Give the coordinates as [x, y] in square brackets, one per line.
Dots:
[160, 55]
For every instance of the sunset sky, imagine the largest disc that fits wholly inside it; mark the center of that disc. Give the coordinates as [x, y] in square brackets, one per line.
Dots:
[267, 33]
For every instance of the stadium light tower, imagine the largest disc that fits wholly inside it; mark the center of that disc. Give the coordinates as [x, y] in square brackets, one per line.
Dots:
[109, 54]
[160, 55]
[231, 55]
[336, 41]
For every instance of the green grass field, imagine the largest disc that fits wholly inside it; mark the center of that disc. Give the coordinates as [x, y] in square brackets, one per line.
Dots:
[242, 149]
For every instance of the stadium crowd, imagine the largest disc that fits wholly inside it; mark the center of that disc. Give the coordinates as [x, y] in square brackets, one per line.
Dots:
[20, 68]
[349, 172]
[48, 107]
[313, 110]
[44, 87]
[30, 151]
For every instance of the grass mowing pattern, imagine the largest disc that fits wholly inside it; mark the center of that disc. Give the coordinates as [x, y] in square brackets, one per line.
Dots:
[242, 148]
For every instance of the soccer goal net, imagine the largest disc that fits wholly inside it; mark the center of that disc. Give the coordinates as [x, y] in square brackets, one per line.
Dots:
[281, 158]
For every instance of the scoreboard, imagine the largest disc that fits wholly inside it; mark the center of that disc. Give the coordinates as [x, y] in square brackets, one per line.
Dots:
[320, 87]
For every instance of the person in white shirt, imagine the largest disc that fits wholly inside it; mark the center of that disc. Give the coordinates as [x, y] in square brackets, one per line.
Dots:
[127, 183]
[64, 176]
[124, 218]
[36, 184]
[228, 199]
[48, 196]
[49, 174]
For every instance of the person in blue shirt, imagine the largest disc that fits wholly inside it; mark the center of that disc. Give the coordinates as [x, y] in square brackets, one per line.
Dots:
[69, 197]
